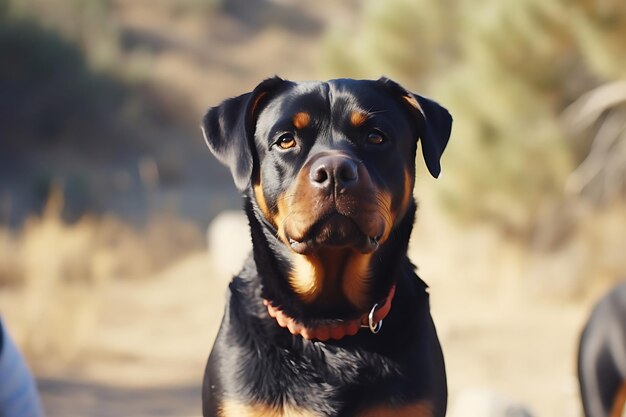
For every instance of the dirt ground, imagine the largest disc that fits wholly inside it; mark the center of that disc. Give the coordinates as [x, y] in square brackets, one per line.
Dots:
[145, 353]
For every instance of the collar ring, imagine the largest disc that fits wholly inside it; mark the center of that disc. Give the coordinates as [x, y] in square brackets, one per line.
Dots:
[374, 326]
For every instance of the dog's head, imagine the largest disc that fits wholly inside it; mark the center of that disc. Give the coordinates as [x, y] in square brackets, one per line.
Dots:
[329, 170]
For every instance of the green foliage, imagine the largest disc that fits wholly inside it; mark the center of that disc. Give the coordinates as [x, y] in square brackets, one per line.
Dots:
[506, 70]
[179, 7]
[86, 23]
[394, 37]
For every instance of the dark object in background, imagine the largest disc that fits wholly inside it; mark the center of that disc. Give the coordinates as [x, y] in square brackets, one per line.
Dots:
[602, 357]
[327, 171]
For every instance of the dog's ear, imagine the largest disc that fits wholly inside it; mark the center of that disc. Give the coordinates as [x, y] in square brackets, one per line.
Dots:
[229, 130]
[434, 120]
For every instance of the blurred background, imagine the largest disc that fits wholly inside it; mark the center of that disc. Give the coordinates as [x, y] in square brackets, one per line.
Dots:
[119, 232]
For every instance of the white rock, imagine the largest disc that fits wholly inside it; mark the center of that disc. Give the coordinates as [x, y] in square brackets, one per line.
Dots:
[476, 402]
[228, 240]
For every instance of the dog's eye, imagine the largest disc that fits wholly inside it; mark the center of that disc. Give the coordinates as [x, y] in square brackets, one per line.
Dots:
[286, 141]
[376, 138]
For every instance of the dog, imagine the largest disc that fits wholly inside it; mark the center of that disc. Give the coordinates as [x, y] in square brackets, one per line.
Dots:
[602, 356]
[327, 171]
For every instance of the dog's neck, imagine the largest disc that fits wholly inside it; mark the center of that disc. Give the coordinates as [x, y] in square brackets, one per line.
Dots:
[339, 329]
[274, 262]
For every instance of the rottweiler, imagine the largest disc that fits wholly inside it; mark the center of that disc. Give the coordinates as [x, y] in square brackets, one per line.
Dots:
[327, 171]
[602, 357]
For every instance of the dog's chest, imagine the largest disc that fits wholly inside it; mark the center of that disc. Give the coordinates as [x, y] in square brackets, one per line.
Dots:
[286, 385]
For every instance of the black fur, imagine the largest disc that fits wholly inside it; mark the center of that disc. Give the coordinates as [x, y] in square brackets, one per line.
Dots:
[602, 354]
[437, 125]
[254, 361]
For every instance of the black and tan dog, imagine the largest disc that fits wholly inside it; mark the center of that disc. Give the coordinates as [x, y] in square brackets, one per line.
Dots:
[327, 171]
[602, 357]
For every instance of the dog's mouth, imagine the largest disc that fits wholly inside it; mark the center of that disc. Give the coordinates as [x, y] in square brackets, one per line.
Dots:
[334, 230]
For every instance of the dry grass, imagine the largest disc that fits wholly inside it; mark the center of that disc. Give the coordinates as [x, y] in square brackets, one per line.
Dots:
[53, 273]
[79, 295]
[500, 305]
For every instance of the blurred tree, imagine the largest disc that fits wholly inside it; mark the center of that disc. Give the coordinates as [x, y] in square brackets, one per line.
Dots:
[48, 90]
[87, 23]
[506, 70]
[396, 38]
[61, 119]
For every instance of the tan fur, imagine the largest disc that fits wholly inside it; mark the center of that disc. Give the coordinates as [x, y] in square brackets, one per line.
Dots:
[384, 201]
[620, 401]
[307, 277]
[260, 199]
[257, 100]
[355, 283]
[329, 274]
[282, 206]
[413, 102]
[419, 409]
[357, 118]
[406, 197]
[321, 277]
[235, 409]
[301, 120]
[307, 273]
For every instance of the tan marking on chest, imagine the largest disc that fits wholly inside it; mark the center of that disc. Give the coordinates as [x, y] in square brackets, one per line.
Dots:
[235, 409]
[419, 409]
[328, 275]
[356, 280]
[307, 276]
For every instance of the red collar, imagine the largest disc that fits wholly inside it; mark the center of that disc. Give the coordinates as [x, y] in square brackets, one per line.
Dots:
[335, 331]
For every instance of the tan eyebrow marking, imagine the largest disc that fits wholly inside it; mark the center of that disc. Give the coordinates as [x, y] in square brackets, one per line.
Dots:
[357, 118]
[301, 120]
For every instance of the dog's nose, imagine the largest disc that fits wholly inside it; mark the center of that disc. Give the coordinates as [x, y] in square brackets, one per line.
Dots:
[338, 171]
